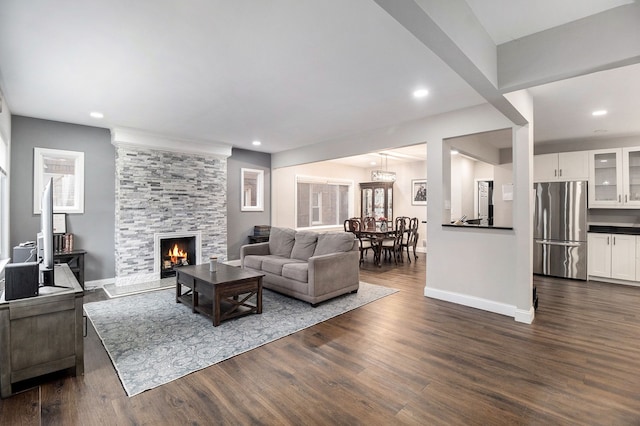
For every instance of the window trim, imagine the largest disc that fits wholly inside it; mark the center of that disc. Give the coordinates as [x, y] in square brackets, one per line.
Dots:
[39, 181]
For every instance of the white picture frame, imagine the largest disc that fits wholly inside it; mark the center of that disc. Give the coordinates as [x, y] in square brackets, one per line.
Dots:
[59, 223]
[252, 187]
[67, 170]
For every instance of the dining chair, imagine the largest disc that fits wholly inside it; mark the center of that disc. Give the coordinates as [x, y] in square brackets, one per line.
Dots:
[369, 223]
[413, 236]
[406, 222]
[393, 246]
[354, 225]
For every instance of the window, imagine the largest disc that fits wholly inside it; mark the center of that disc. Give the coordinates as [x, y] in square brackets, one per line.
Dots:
[322, 201]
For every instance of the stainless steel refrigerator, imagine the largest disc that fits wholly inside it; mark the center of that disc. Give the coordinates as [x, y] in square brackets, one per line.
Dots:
[560, 229]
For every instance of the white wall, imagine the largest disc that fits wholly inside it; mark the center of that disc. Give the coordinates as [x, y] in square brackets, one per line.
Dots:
[502, 209]
[462, 176]
[5, 120]
[476, 267]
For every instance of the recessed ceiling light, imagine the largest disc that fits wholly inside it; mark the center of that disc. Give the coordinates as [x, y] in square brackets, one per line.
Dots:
[420, 93]
[96, 114]
[454, 152]
[373, 163]
[256, 143]
[599, 112]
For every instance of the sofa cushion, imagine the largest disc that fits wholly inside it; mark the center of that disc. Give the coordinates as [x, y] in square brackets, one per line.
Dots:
[281, 241]
[304, 245]
[296, 271]
[334, 242]
[274, 264]
[253, 261]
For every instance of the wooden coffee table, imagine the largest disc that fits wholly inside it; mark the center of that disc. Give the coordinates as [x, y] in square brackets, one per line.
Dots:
[220, 295]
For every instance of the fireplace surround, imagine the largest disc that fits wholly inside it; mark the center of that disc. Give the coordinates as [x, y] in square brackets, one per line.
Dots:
[193, 248]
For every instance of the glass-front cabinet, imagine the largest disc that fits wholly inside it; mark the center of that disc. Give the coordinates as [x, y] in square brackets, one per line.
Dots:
[376, 200]
[614, 178]
[631, 176]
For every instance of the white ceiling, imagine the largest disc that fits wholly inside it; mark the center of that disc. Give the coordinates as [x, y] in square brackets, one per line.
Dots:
[507, 20]
[287, 72]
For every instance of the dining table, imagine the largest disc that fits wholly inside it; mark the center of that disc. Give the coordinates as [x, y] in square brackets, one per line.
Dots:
[377, 236]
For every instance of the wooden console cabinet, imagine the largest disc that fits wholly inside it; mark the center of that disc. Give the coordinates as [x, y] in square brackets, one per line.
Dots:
[75, 260]
[42, 334]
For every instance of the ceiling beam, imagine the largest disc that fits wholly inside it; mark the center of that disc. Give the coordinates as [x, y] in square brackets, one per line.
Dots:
[431, 33]
[607, 40]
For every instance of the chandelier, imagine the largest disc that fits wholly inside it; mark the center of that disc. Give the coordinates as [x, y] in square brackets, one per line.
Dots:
[383, 175]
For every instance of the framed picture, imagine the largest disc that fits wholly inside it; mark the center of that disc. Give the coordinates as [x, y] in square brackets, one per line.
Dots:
[252, 184]
[66, 168]
[59, 223]
[419, 192]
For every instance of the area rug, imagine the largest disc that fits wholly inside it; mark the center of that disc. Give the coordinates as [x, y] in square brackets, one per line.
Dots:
[152, 340]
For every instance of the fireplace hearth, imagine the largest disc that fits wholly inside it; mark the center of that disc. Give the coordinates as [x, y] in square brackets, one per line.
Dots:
[175, 253]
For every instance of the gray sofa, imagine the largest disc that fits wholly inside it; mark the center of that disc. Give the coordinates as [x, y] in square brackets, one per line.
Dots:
[306, 265]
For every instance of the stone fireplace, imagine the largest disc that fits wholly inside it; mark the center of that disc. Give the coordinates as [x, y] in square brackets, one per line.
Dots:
[167, 189]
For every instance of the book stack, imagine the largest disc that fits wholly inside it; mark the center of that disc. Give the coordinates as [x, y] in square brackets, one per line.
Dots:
[63, 242]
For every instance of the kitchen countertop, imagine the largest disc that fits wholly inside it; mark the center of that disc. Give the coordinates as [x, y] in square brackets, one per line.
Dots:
[468, 226]
[607, 229]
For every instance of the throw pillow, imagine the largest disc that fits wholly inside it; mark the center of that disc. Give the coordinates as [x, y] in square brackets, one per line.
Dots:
[334, 242]
[304, 246]
[281, 241]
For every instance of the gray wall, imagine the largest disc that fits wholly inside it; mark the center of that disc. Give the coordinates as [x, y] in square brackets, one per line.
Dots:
[240, 224]
[94, 229]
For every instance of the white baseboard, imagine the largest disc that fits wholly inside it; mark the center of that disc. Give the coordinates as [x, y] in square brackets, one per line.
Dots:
[472, 301]
[525, 316]
[99, 283]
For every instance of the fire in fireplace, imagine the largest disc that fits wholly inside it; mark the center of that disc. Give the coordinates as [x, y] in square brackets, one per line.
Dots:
[176, 252]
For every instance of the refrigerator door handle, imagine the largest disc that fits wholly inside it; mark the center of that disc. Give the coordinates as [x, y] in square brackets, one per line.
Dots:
[558, 243]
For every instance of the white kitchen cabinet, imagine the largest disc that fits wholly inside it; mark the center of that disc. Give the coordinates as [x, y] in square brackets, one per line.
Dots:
[564, 166]
[614, 178]
[623, 257]
[612, 256]
[631, 177]
[599, 257]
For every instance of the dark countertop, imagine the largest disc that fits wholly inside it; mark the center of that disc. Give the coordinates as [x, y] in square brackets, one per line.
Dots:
[467, 226]
[606, 229]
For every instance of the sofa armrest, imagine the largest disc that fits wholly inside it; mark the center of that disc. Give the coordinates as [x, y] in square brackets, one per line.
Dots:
[260, 249]
[331, 272]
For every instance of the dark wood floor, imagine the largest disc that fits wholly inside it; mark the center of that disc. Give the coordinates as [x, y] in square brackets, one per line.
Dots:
[404, 359]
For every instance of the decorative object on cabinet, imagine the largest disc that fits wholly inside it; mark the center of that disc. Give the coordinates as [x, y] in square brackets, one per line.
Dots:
[419, 192]
[59, 223]
[376, 200]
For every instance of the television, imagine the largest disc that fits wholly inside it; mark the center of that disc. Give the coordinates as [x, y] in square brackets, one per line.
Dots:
[45, 236]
